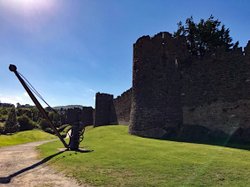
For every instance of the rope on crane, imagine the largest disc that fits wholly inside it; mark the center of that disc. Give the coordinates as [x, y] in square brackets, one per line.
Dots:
[35, 91]
[81, 133]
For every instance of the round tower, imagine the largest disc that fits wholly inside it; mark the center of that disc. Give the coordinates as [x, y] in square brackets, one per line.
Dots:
[156, 93]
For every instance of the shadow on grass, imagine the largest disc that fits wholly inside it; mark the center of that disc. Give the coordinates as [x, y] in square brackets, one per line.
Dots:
[223, 143]
[198, 134]
[7, 179]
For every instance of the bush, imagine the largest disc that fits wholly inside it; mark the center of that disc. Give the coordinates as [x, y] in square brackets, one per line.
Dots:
[43, 124]
[3, 114]
[11, 125]
[35, 114]
[49, 130]
[25, 123]
[2, 128]
[3, 111]
[55, 118]
[24, 111]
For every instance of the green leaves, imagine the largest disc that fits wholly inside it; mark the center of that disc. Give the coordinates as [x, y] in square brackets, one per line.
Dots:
[205, 36]
[11, 125]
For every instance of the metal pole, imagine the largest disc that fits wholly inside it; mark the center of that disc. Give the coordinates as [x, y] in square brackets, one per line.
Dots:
[13, 68]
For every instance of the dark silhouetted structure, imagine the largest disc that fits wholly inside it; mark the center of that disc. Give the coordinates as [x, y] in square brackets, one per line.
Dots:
[156, 94]
[123, 107]
[104, 110]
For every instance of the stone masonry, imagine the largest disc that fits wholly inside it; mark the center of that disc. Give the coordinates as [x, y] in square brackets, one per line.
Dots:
[104, 110]
[123, 107]
[215, 91]
[156, 93]
[82, 116]
[87, 116]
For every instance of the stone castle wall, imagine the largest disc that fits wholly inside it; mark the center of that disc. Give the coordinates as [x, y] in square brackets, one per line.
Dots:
[215, 89]
[87, 116]
[104, 110]
[123, 107]
[224, 76]
[216, 94]
[156, 93]
[83, 116]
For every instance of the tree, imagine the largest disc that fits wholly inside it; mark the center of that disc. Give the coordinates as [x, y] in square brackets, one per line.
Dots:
[3, 111]
[24, 111]
[55, 118]
[11, 125]
[35, 114]
[45, 126]
[25, 123]
[205, 36]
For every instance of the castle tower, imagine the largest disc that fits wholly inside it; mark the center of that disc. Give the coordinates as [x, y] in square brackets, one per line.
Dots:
[156, 96]
[87, 117]
[104, 110]
[247, 51]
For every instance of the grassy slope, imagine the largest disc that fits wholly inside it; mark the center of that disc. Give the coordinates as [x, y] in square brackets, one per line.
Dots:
[24, 137]
[120, 159]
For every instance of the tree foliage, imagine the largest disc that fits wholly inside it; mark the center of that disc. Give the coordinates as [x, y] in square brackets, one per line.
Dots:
[43, 124]
[25, 123]
[11, 125]
[205, 36]
[55, 118]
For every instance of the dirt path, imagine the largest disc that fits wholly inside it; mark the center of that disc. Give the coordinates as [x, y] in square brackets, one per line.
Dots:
[19, 167]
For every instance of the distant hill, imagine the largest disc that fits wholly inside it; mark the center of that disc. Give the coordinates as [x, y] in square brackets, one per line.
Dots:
[68, 107]
[6, 105]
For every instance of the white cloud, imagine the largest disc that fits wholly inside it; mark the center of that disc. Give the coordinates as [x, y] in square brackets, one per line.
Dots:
[26, 94]
[15, 99]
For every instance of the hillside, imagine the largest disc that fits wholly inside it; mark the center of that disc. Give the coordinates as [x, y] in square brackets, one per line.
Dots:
[67, 107]
[120, 159]
[24, 137]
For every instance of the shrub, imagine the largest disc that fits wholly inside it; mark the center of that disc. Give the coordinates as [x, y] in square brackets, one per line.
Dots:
[49, 130]
[43, 124]
[55, 118]
[24, 111]
[25, 123]
[11, 125]
[3, 111]
[2, 128]
[35, 114]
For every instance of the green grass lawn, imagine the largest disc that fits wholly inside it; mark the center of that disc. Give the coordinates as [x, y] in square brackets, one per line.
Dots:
[120, 159]
[24, 137]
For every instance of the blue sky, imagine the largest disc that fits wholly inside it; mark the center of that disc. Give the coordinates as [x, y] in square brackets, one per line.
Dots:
[69, 50]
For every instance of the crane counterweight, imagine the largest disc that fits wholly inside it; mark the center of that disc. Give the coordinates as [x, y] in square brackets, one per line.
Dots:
[12, 68]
